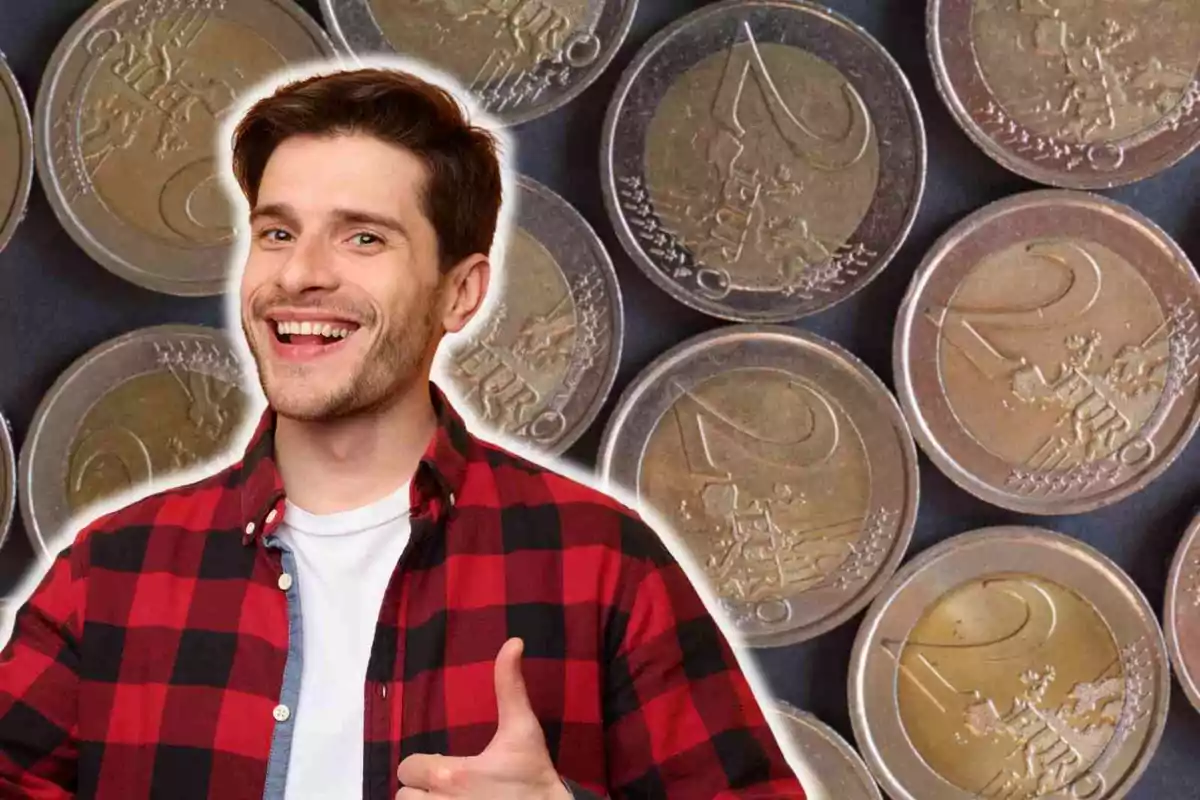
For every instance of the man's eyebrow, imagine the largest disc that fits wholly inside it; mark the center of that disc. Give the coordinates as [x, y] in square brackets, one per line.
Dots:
[351, 216]
[280, 211]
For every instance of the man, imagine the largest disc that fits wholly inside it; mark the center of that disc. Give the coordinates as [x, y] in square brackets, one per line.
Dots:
[371, 602]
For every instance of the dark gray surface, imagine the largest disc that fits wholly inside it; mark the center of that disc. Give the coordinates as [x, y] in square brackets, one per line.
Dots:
[55, 304]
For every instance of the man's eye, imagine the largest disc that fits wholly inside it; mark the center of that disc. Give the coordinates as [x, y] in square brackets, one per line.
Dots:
[365, 239]
[274, 235]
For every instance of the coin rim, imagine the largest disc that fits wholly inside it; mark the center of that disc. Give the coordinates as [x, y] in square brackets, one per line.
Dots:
[843, 358]
[8, 463]
[851, 756]
[1025, 534]
[45, 409]
[1022, 167]
[608, 189]
[43, 143]
[597, 68]
[20, 206]
[901, 359]
[1185, 676]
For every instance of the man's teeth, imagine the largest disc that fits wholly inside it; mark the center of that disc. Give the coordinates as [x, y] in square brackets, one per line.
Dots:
[308, 328]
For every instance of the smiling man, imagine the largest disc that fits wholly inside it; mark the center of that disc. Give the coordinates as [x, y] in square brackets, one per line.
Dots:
[371, 602]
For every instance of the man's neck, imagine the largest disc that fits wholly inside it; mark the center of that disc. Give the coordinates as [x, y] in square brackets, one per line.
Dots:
[348, 463]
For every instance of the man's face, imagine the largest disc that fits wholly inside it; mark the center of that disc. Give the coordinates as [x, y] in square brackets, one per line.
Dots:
[340, 295]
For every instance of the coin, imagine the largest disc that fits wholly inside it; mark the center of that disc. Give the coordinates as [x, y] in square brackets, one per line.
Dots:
[16, 153]
[1047, 350]
[8, 479]
[127, 118]
[135, 409]
[782, 466]
[519, 59]
[1072, 93]
[541, 361]
[762, 160]
[1181, 615]
[827, 766]
[1011, 663]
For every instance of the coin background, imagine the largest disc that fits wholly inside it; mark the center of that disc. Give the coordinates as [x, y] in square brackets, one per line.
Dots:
[55, 304]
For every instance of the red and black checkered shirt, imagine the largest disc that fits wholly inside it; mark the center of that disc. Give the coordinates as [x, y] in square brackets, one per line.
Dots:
[149, 660]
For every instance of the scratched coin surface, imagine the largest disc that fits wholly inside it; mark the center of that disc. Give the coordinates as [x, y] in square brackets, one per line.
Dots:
[762, 160]
[8, 479]
[1083, 94]
[1047, 350]
[520, 59]
[1010, 663]
[826, 764]
[1181, 615]
[16, 153]
[132, 410]
[781, 465]
[127, 119]
[537, 366]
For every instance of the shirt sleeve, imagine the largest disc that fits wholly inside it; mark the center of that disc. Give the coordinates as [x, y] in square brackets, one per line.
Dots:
[39, 685]
[681, 719]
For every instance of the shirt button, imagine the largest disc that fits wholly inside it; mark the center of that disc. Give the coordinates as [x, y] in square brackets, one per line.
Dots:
[249, 528]
[285, 581]
[271, 516]
[282, 712]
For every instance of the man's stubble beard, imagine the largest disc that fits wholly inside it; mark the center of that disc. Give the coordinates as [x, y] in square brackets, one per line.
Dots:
[388, 369]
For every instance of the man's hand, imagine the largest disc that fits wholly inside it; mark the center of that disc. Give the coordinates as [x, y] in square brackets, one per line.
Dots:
[514, 766]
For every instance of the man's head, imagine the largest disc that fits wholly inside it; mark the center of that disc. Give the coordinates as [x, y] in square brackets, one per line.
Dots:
[373, 207]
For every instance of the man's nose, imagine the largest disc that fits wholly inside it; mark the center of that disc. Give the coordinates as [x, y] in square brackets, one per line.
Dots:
[308, 266]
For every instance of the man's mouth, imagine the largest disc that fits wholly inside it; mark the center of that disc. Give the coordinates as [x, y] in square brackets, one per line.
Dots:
[303, 340]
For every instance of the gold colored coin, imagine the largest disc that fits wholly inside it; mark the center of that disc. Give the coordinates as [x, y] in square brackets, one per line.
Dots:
[16, 153]
[1041, 353]
[1009, 663]
[129, 413]
[781, 464]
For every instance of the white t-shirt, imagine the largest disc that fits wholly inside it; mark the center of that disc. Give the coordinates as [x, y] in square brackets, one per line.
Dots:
[343, 563]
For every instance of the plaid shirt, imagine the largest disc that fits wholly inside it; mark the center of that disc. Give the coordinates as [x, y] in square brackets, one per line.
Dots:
[150, 659]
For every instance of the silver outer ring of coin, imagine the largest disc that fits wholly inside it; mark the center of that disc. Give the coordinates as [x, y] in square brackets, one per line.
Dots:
[355, 31]
[11, 218]
[211, 259]
[42, 462]
[651, 386]
[1179, 564]
[578, 252]
[827, 35]
[910, 309]
[815, 728]
[1004, 549]
[8, 467]
[1157, 142]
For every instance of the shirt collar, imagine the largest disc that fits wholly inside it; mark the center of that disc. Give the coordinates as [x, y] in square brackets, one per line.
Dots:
[438, 479]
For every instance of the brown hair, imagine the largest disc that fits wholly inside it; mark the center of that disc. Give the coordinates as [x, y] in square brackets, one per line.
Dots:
[463, 192]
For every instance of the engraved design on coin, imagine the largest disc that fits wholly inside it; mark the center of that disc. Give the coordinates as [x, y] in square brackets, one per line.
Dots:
[8, 479]
[1013, 664]
[1098, 84]
[135, 409]
[521, 59]
[778, 493]
[542, 361]
[127, 115]
[1064, 366]
[762, 161]
[16, 154]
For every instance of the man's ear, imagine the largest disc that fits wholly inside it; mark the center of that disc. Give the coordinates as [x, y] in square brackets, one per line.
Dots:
[466, 288]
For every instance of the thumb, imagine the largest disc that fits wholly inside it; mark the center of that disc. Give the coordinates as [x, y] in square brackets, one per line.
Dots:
[512, 701]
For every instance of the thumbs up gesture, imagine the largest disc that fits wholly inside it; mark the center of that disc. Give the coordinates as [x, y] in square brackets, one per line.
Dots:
[514, 766]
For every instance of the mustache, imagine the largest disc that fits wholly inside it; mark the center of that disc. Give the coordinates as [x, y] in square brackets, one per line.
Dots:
[262, 306]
